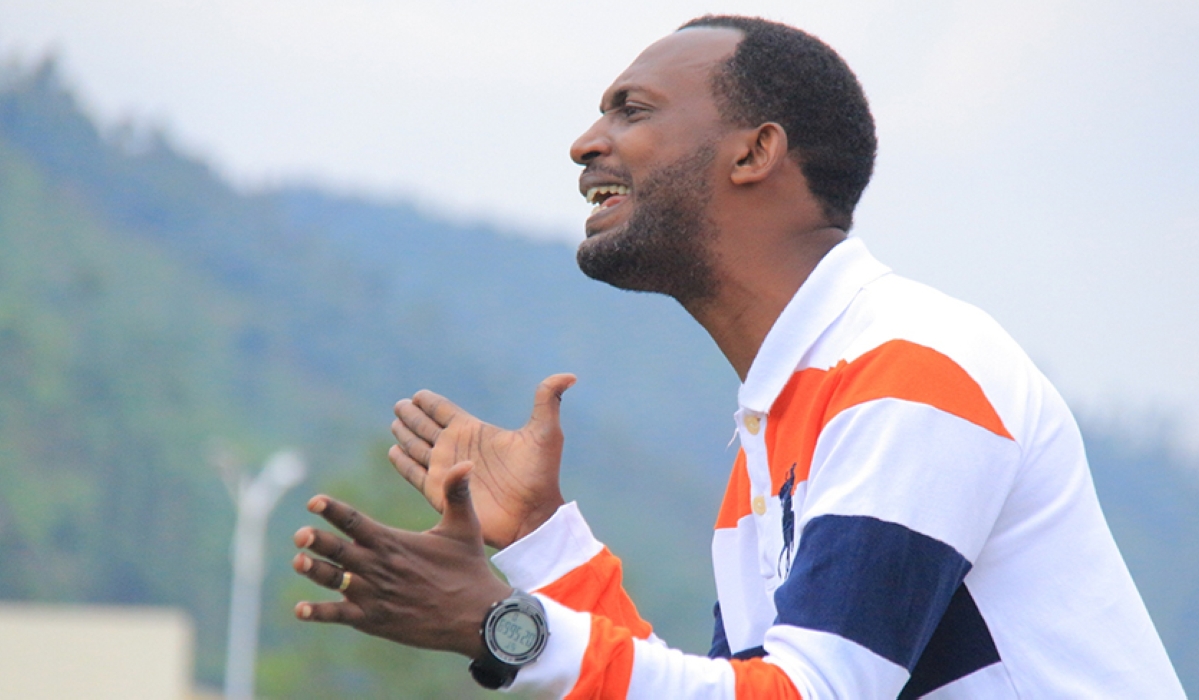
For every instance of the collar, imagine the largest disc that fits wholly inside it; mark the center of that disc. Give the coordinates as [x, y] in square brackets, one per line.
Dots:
[824, 296]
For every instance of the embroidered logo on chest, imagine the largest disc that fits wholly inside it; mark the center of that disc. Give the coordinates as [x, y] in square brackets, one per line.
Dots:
[788, 523]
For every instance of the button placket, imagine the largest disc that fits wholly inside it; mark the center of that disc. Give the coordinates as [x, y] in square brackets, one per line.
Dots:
[749, 424]
[752, 426]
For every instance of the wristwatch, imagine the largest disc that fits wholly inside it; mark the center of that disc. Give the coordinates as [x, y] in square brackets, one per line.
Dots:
[514, 634]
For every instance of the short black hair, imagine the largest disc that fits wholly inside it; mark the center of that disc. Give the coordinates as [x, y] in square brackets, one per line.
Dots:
[782, 74]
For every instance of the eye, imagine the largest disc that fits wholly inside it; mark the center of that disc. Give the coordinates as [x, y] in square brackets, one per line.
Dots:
[632, 111]
[627, 111]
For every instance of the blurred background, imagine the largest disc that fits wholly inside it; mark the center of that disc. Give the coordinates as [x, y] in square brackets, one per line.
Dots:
[233, 226]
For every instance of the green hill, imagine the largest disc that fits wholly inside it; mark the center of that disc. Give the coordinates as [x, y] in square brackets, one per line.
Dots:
[149, 312]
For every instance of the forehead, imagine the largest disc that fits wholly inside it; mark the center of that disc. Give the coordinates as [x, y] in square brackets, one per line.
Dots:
[677, 65]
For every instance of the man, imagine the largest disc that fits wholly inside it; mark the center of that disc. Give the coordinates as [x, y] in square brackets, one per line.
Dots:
[910, 512]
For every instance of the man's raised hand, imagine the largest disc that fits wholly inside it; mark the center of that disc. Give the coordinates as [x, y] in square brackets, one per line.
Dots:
[424, 589]
[515, 480]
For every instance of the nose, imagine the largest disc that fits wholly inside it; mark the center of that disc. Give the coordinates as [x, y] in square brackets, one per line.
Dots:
[592, 144]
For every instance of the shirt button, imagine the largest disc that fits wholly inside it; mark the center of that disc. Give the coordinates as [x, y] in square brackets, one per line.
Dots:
[753, 424]
[759, 505]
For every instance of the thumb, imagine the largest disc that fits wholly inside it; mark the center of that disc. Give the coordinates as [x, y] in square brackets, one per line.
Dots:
[458, 519]
[548, 400]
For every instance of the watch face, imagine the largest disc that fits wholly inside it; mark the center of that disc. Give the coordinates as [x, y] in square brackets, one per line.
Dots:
[515, 631]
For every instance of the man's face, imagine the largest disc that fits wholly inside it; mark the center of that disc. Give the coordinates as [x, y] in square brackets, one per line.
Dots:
[648, 165]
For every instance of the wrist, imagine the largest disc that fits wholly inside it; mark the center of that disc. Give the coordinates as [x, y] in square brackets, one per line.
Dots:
[470, 633]
[536, 518]
[514, 634]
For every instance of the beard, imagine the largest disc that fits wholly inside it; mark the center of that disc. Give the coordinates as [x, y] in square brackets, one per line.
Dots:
[664, 246]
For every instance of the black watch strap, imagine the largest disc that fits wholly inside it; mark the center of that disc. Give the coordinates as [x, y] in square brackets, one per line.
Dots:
[491, 673]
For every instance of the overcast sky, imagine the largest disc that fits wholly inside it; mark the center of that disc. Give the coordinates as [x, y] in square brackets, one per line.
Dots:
[1037, 158]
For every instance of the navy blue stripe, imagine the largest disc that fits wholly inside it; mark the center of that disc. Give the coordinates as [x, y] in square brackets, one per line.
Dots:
[873, 582]
[754, 653]
[961, 645]
[720, 643]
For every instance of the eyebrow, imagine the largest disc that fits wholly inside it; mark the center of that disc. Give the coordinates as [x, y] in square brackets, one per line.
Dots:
[621, 96]
[618, 99]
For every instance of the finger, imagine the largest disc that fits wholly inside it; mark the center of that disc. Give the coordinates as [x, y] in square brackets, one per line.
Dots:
[418, 422]
[345, 518]
[343, 612]
[322, 573]
[458, 519]
[436, 406]
[413, 473]
[328, 545]
[548, 400]
[416, 448]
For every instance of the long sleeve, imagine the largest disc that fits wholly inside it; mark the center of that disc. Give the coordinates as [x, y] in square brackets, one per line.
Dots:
[599, 646]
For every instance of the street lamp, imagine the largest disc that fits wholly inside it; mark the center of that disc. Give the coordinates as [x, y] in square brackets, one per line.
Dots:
[255, 499]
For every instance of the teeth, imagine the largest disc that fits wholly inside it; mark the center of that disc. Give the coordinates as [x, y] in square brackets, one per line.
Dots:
[605, 189]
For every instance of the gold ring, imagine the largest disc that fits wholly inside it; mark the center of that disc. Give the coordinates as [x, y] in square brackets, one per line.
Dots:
[345, 580]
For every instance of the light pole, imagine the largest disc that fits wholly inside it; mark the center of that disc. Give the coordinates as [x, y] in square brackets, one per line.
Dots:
[255, 499]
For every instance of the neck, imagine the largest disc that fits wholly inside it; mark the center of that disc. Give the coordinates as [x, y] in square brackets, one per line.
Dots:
[758, 277]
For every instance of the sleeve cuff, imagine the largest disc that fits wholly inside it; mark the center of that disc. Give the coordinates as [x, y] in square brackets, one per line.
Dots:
[561, 544]
[556, 671]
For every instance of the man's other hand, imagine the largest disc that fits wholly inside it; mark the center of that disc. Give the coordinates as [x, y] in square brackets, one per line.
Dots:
[427, 589]
[515, 481]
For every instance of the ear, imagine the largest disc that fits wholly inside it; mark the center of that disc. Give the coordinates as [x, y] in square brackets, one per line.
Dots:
[763, 149]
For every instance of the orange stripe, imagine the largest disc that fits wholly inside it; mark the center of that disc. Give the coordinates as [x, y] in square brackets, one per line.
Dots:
[758, 679]
[736, 496]
[608, 664]
[897, 369]
[793, 425]
[904, 370]
[595, 587]
[607, 669]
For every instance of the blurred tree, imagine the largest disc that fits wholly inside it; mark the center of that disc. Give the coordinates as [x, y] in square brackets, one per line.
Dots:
[325, 660]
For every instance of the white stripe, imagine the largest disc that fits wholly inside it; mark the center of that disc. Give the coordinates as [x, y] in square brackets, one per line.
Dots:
[660, 672]
[922, 468]
[556, 671]
[746, 608]
[823, 665]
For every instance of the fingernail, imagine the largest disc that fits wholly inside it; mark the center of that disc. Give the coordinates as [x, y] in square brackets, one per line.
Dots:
[305, 563]
[305, 611]
[317, 505]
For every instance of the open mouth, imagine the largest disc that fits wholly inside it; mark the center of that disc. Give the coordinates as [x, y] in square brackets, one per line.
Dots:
[606, 196]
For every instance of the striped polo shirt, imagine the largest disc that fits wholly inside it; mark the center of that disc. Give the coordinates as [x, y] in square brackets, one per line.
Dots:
[910, 514]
